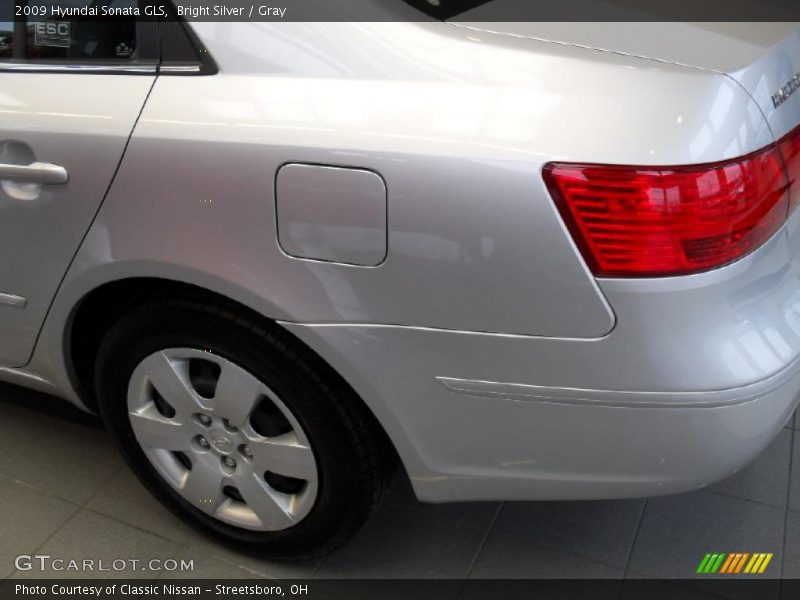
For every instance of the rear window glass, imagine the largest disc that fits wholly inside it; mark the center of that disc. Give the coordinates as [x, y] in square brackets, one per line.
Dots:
[70, 35]
[81, 38]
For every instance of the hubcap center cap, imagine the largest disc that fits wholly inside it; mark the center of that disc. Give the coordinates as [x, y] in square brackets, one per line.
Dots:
[221, 442]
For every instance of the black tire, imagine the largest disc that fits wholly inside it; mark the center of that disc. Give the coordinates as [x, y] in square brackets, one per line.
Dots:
[353, 459]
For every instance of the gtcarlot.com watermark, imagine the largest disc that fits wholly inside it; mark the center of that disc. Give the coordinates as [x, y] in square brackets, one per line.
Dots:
[46, 562]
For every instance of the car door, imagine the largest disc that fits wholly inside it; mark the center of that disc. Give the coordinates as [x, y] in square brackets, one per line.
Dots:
[71, 90]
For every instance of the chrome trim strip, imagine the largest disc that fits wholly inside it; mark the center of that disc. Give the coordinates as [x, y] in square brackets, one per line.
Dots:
[179, 69]
[76, 68]
[12, 300]
[519, 392]
[344, 324]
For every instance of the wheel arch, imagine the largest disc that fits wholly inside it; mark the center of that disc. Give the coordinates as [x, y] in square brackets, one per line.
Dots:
[99, 308]
[91, 316]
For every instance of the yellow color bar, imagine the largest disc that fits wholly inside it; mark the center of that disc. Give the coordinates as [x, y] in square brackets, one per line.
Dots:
[765, 563]
[754, 562]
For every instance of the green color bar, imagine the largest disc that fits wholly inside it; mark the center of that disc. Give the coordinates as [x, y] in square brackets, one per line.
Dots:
[718, 563]
[702, 567]
[711, 562]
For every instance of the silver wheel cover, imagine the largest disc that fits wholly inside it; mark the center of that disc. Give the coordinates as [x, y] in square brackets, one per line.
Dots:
[228, 457]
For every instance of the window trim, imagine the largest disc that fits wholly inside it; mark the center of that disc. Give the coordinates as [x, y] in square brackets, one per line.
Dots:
[80, 67]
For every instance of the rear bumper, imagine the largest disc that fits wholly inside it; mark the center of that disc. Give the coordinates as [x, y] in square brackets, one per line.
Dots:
[698, 376]
[600, 445]
[465, 439]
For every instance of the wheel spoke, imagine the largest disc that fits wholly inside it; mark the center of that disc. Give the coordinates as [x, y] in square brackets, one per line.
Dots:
[237, 393]
[284, 455]
[273, 510]
[202, 486]
[173, 386]
[155, 431]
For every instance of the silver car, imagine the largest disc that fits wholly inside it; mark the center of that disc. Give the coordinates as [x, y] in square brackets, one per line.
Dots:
[516, 260]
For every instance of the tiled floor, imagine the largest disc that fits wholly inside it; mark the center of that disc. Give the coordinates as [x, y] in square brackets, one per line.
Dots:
[65, 492]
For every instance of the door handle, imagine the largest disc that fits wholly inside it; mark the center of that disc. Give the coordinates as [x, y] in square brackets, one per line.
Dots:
[36, 172]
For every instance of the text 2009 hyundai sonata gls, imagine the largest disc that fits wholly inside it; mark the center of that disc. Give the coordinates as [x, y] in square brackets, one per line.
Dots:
[524, 261]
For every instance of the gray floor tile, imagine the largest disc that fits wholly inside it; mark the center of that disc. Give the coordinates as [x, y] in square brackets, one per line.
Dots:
[600, 531]
[201, 545]
[399, 543]
[794, 483]
[126, 499]
[64, 458]
[677, 531]
[516, 557]
[480, 514]
[796, 421]
[790, 587]
[767, 478]
[89, 536]
[791, 553]
[27, 518]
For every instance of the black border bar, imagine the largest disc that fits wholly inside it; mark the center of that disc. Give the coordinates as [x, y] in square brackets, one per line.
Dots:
[456, 10]
[699, 588]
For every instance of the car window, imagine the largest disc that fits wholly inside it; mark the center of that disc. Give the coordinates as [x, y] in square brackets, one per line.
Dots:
[75, 35]
[6, 29]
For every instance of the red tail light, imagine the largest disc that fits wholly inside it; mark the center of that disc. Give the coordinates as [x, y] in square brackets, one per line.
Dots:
[790, 148]
[659, 221]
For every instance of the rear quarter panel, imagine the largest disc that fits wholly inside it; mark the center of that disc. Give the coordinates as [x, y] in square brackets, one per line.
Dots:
[459, 125]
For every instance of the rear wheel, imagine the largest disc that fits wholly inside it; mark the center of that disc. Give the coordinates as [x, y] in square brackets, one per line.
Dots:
[240, 429]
